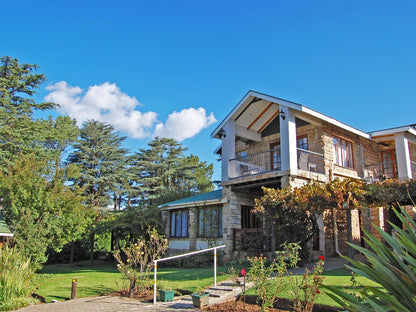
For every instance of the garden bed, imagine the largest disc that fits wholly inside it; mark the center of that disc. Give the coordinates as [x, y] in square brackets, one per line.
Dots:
[250, 305]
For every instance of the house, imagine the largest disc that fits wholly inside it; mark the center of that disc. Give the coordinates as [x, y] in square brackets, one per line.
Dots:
[5, 232]
[268, 141]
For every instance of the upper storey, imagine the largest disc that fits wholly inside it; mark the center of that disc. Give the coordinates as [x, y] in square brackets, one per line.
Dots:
[265, 138]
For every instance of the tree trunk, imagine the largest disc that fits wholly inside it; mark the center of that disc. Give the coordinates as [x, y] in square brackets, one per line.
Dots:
[349, 234]
[273, 239]
[92, 248]
[71, 257]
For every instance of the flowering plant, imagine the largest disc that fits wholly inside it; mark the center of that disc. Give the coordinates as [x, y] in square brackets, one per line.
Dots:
[304, 286]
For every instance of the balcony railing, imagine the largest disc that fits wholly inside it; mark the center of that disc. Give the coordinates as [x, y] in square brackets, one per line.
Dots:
[253, 239]
[271, 161]
[380, 172]
[310, 161]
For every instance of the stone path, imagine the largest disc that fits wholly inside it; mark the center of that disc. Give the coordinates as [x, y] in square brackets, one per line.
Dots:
[111, 304]
[224, 291]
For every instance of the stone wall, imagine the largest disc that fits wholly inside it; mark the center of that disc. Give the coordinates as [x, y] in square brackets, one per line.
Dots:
[232, 216]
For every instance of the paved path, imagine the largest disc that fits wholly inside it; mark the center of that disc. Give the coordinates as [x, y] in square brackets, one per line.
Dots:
[121, 304]
[111, 304]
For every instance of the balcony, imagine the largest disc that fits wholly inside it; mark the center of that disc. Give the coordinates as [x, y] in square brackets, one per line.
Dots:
[271, 160]
[382, 171]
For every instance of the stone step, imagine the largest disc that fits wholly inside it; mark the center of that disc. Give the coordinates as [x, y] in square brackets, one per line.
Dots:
[221, 288]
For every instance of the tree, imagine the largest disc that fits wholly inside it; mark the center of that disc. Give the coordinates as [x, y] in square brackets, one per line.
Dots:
[102, 161]
[273, 206]
[164, 169]
[41, 209]
[19, 132]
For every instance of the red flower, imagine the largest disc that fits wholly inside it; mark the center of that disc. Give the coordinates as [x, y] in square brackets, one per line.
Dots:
[321, 258]
[318, 291]
[243, 272]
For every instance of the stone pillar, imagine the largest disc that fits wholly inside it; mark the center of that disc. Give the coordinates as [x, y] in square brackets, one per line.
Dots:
[321, 227]
[166, 222]
[288, 149]
[193, 227]
[404, 167]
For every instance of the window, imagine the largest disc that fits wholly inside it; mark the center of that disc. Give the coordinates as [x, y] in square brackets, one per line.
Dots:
[275, 158]
[302, 142]
[249, 220]
[343, 153]
[179, 223]
[210, 221]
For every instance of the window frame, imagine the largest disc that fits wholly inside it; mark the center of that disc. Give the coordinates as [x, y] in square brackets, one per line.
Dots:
[212, 229]
[302, 137]
[184, 230]
[343, 152]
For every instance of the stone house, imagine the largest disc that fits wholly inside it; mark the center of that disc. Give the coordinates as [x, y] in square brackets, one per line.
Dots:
[268, 141]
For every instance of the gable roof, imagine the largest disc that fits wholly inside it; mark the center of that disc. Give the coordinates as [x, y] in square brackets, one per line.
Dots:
[4, 229]
[266, 110]
[210, 198]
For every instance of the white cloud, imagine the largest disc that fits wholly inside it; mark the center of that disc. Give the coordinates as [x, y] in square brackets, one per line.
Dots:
[185, 124]
[107, 103]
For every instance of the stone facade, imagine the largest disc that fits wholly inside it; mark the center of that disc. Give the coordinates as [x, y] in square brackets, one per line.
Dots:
[258, 124]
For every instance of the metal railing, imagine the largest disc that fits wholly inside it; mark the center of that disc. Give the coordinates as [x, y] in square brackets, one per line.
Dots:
[251, 164]
[310, 161]
[271, 160]
[381, 171]
[185, 255]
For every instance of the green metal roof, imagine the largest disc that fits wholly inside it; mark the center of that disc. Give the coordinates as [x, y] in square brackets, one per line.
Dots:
[4, 229]
[200, 198]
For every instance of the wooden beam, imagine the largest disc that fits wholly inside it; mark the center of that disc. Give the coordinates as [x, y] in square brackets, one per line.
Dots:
[259, 116]
[268, 121]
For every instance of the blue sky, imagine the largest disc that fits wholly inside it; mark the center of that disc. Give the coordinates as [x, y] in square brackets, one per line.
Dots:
[136, 63]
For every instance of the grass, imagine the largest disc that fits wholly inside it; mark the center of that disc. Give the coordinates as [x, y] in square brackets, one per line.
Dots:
[340, 278]
[55, 280]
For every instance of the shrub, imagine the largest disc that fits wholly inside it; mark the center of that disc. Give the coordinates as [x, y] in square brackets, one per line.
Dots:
[16, 273]
[265, 283]
[140, 256]
[304, 286]
[392, 265]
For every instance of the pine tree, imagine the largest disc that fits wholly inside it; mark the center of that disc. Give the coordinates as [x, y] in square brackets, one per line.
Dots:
[19, 131]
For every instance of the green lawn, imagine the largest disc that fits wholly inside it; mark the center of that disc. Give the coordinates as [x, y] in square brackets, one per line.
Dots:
[55, 280]
[340, 278]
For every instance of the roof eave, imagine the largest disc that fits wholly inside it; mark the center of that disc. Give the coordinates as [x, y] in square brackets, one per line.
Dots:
[194, 204]
[291, 105]
[393, 131]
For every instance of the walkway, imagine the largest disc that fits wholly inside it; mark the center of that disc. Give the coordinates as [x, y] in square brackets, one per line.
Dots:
[223, 292]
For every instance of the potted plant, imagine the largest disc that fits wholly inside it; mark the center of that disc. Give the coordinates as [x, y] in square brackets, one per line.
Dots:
[200, 298]
[166, 294]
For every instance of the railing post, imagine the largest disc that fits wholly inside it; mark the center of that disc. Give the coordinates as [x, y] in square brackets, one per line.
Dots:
[154, 285]
[74, 289]
[215, 267]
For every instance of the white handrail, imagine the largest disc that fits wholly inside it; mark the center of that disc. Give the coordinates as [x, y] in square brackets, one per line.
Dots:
[186, 255]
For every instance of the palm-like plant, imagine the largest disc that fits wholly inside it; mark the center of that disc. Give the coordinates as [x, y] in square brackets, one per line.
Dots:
[392, 265]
